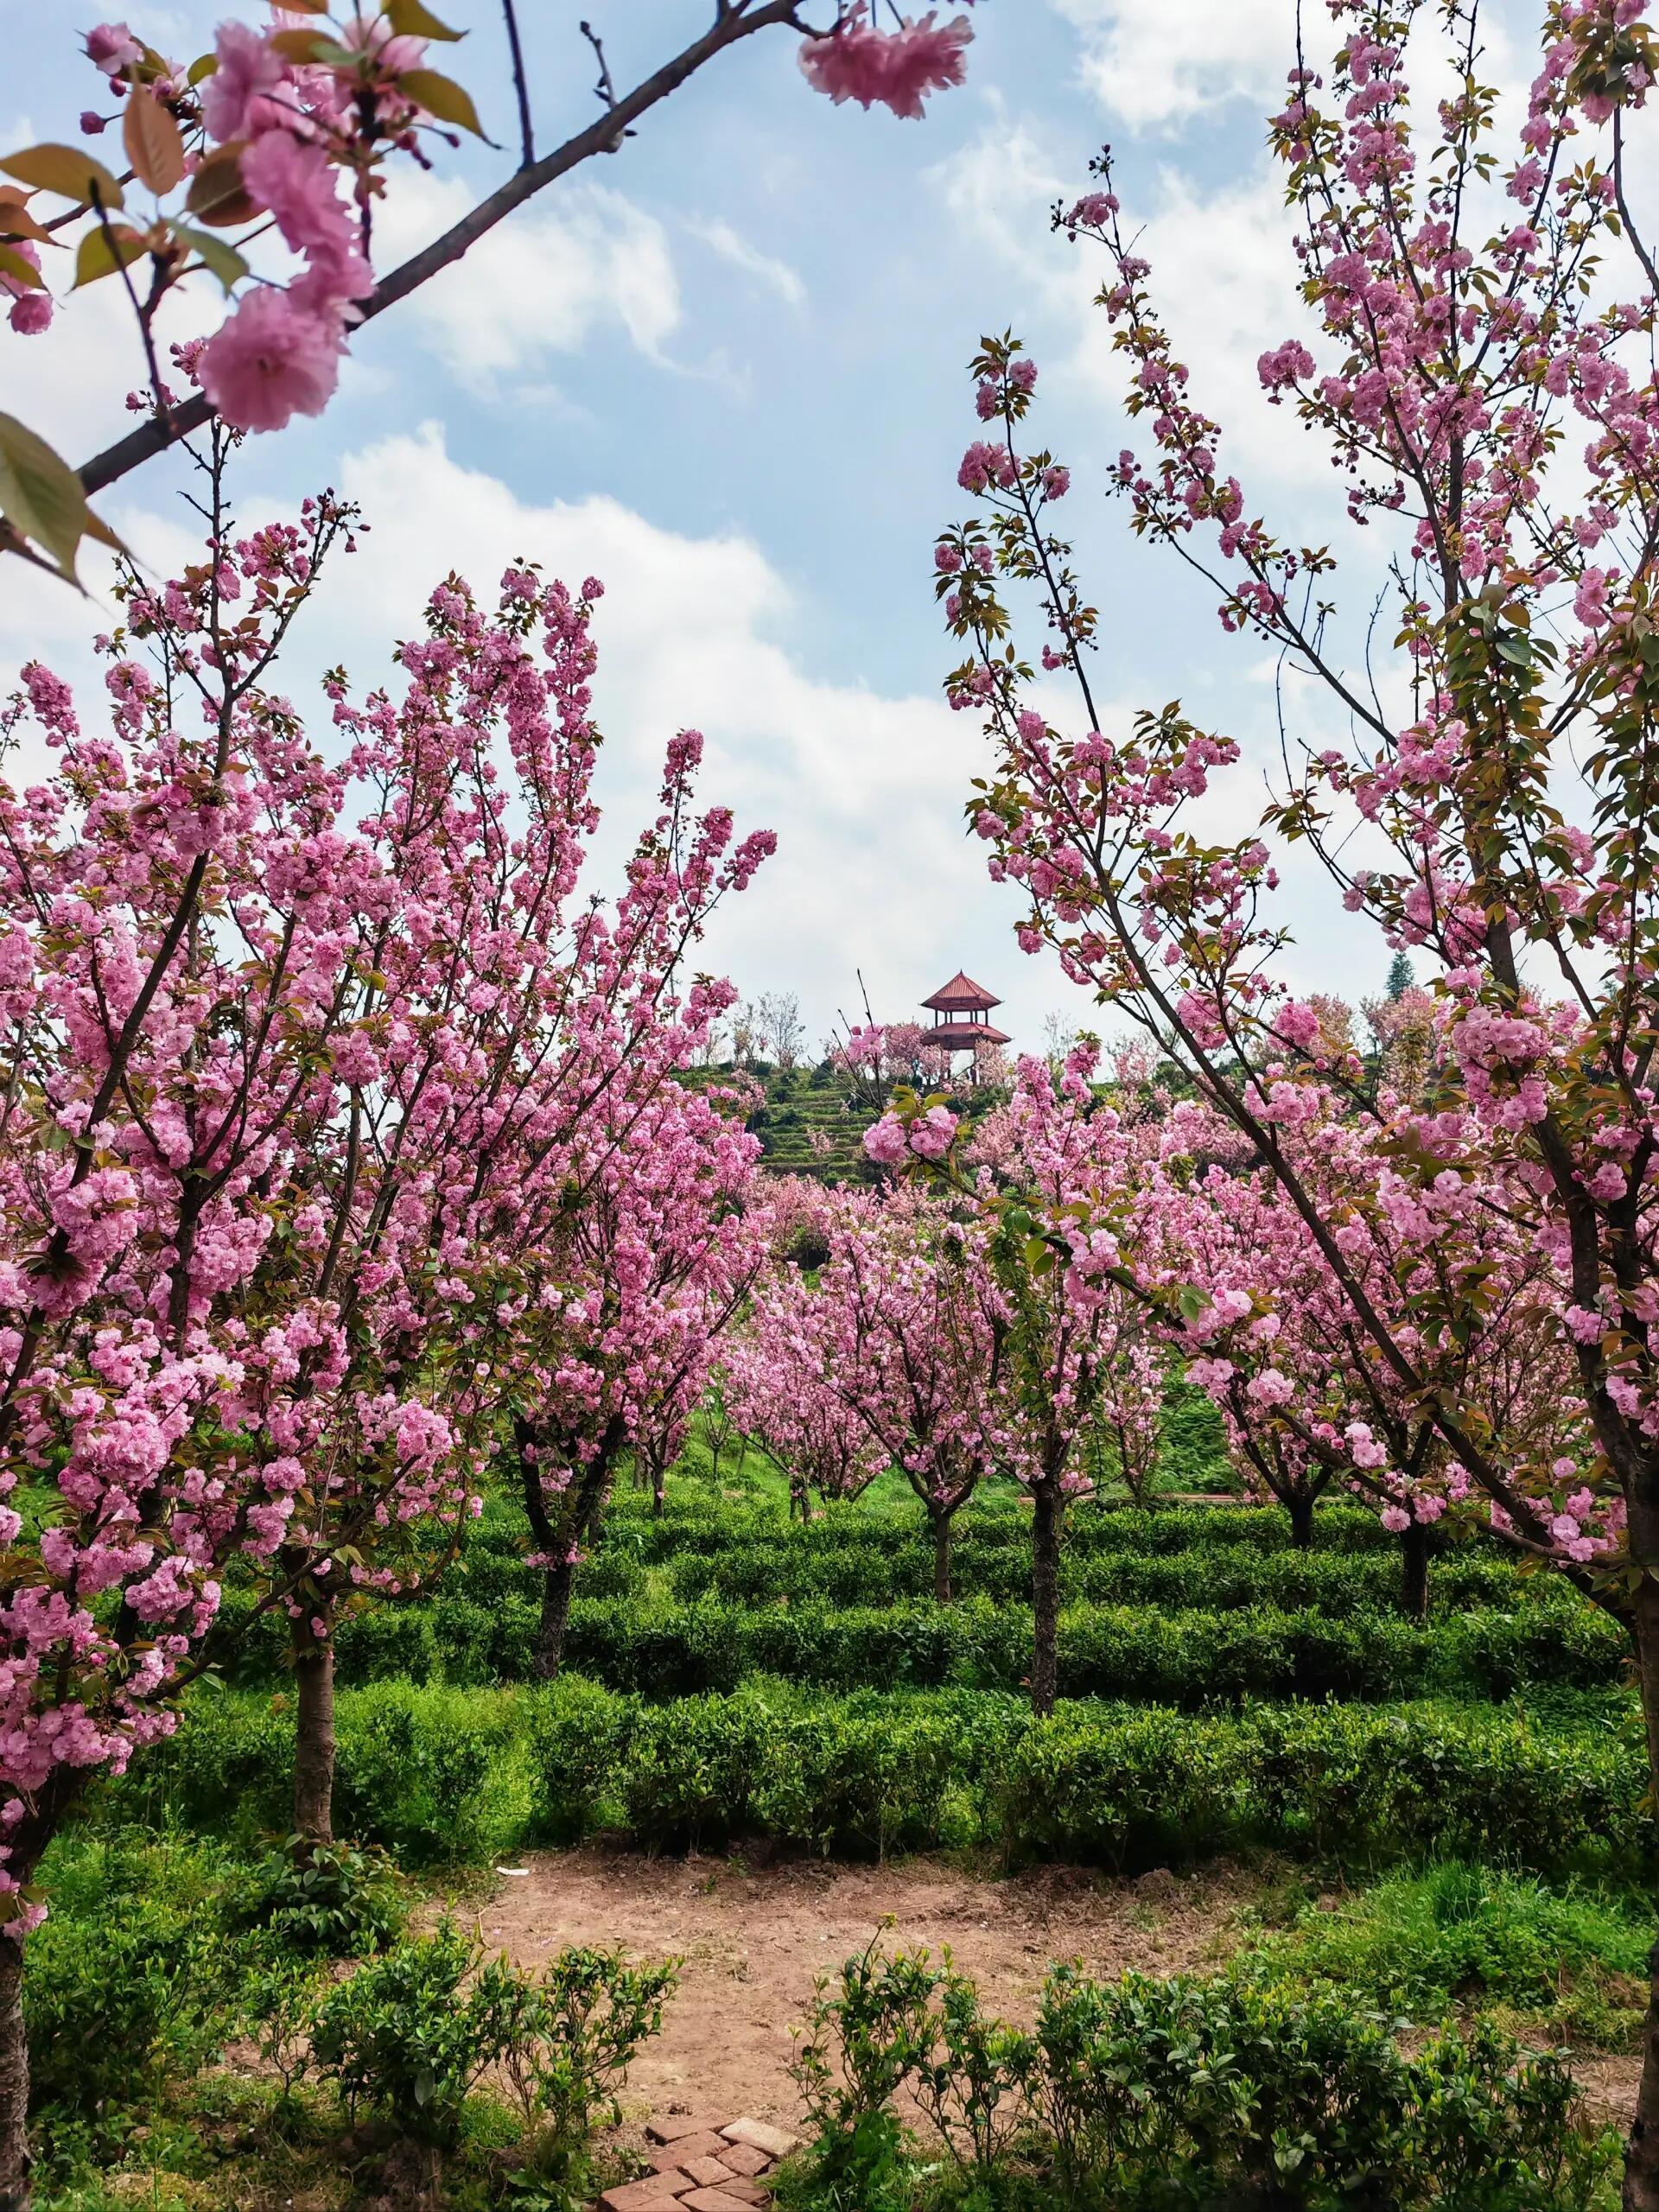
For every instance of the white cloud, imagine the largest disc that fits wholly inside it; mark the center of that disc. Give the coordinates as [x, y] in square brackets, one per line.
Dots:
[541, 283]
[864, 791]
[1158, 63]
[732, 246]
[1223, 273]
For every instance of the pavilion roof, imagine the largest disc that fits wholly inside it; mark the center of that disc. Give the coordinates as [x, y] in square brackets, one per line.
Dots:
[965, 1032]
[960, 990]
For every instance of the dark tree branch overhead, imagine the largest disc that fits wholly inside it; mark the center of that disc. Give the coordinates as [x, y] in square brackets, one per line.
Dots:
[735, 21]
[521, 88]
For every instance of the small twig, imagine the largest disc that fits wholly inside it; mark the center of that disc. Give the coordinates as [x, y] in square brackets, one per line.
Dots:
[604, 90]
[157, 388]
[151, 438]
[1630, 230]
[520, 86]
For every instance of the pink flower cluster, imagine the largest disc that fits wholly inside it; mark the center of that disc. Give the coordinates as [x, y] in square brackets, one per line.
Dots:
[894, 69]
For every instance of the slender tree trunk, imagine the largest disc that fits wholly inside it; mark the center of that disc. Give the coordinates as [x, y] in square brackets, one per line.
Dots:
[14, 2082]
[942, 1558]
[1048, 1507]
[1642, 2151]
[557, 1583]
[1413, 1571]
[314, 1739]
[659, 1488]
[1301, 1510]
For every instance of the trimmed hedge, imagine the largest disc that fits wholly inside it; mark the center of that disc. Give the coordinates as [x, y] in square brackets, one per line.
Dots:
[1191, 1659]
[1203, 1576]
[447, 1774]
[995, 1517]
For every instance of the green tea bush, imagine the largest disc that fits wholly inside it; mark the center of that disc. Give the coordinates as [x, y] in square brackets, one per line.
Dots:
[444, 1773]
[410, 2034]
[325, 1900]
[1187, 2094]
[1193, 1657]
[132, 1976]
[404, 2038]
[1208, 1576]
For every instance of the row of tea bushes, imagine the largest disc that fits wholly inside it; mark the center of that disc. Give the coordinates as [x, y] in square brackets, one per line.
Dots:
[999, 1516]
[759, 1570]
[439, 1773]
[1190, 1658]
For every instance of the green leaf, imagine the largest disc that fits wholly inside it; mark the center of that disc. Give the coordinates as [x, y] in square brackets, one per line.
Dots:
[225, 261]
[442, 97]
[1193, 1302]
[65, 170]
[410, 20]
[101, 252]
[41, 496]
[201, 68]
[19, 272]
[302, 45]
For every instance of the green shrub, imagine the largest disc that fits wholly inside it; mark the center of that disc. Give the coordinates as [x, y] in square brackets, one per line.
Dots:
[1188, 2093]
[403, 2039]
[132, 1976]
[410, 2034]
[432, 1773]
[325, 1900]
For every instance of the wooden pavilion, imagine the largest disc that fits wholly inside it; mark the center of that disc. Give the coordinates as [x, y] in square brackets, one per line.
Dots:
[961, 1011]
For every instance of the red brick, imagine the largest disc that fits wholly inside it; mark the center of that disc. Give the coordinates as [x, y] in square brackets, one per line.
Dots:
[744, 2158]
[687, 2147]
[708, 2173]
[716, 2200]
[752, 2192]
[776, 2142]
[672, 2125]
[656, 2193]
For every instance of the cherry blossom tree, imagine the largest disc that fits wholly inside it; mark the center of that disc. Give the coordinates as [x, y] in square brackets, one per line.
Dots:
[777, 1385]
[1070, 1331]
[1483, 381]
[288, 133]
[902, 1331]
[613, 1310]
[316, 1133]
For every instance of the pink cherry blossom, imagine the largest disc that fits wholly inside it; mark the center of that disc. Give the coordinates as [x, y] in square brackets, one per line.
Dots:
[269, 361]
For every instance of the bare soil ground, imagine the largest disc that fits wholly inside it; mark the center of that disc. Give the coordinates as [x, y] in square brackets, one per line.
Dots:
[755, 1939]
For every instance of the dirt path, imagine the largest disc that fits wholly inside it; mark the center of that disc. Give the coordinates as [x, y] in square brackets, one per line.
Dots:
[753, 1941]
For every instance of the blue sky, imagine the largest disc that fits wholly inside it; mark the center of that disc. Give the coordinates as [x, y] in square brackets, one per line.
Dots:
[724, 370]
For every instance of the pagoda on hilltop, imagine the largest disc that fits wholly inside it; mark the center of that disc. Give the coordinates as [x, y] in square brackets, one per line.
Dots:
[961, 1011]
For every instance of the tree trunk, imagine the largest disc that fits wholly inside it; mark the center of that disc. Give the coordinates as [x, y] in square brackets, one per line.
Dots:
[942, 1558]
[1642, 2151]
[314, 1741]
[1048, 1506]
[556, 1614]
[1413, 1571]
[1301, 1510]
[14, 2082]
[659, 1489]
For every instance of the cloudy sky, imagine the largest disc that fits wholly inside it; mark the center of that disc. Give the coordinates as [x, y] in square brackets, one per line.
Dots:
[724, 370]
